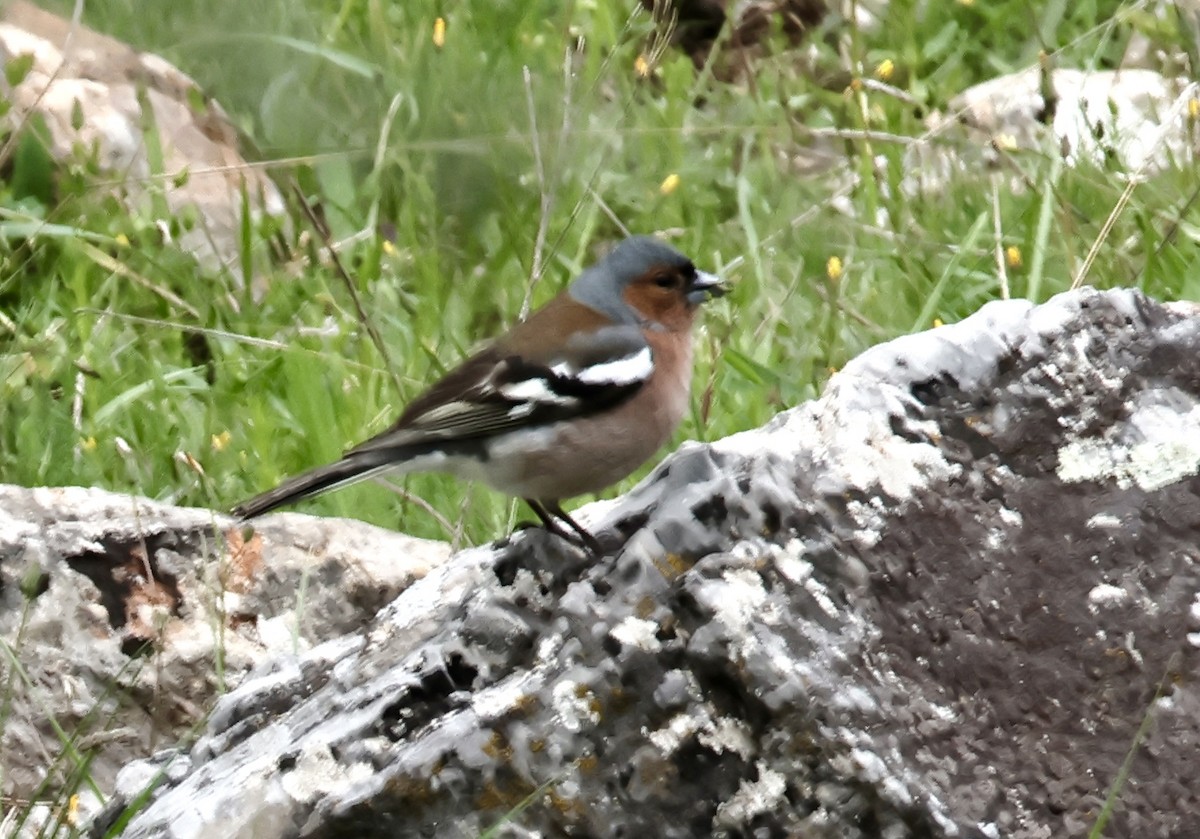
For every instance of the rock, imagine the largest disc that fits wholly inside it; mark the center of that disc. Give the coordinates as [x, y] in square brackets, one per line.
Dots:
[1137, 121]
[90, 96]
[127, 617]
[941, 601]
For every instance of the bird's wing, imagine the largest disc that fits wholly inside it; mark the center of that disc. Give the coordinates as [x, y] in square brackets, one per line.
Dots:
[497, 390]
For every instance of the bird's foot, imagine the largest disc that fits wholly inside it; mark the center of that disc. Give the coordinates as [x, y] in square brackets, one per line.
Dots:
[553, 520]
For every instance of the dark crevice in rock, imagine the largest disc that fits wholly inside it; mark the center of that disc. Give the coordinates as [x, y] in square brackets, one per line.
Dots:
[937, 391]
[129, 577]
[712, 511]
[441, 689]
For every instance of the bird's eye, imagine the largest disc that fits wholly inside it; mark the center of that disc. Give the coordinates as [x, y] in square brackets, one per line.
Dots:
[666, 281]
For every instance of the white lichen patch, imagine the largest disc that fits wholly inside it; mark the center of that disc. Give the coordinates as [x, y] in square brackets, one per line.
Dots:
[496, 700]
[897, 467]
[752, 798]
[1148, 466]
[1193, 638]
[995, 539]
[1156, 465]
[1106, 596]
[549, 647]
[871, 518]
[726, 734]
[1157, 446]
[720, 734]
[871, 766]
[789, 563]
[1010, 520]
[638, 633]
[676, 732]
[316, 773]
[738, 601]
[854, 698]
[820, 596]
[1011, 517]
[575, 705]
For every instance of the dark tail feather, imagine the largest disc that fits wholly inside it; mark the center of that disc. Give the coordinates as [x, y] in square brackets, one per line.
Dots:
[315, 481]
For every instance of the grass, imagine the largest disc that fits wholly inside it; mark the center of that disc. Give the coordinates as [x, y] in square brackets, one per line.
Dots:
[488, 171]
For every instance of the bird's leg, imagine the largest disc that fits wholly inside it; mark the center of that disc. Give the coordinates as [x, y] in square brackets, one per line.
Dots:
[589, 541]
[553, 516]
[548, 521]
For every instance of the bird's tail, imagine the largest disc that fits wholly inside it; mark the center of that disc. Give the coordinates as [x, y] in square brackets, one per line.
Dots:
[350, 469]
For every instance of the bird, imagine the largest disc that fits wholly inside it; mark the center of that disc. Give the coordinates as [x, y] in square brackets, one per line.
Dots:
[568, 402]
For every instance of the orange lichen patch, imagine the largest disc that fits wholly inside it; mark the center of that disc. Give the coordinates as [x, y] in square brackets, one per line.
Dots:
[620, 700]
[588, 697]
[497, 747]
[646, 607]
[653, 771]
[525, 704]
[413, 791]
[672, 565]
[973, 422]
[497, 795]
[245, 559]
[148, 607]
[569, 807]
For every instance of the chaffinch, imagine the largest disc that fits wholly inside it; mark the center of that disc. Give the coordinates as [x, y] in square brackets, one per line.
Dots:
[568, 402]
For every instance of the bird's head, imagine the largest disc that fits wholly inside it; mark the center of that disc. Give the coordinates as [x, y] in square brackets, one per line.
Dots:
[643, 281]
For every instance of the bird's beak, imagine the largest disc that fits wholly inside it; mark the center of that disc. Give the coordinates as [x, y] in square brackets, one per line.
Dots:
[704, 287]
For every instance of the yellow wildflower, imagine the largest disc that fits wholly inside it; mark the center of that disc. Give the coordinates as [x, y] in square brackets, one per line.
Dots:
[834, 268]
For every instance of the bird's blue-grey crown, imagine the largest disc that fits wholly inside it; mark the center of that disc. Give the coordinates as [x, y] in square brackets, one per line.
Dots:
[600, 286]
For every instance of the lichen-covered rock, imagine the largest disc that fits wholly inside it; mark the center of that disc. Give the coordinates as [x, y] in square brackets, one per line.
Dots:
[1133, 121]
[126, 618]
[941, 601]
[96, 95]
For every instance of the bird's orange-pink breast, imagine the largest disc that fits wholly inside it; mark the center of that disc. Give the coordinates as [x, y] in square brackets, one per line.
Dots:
[591, 453]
